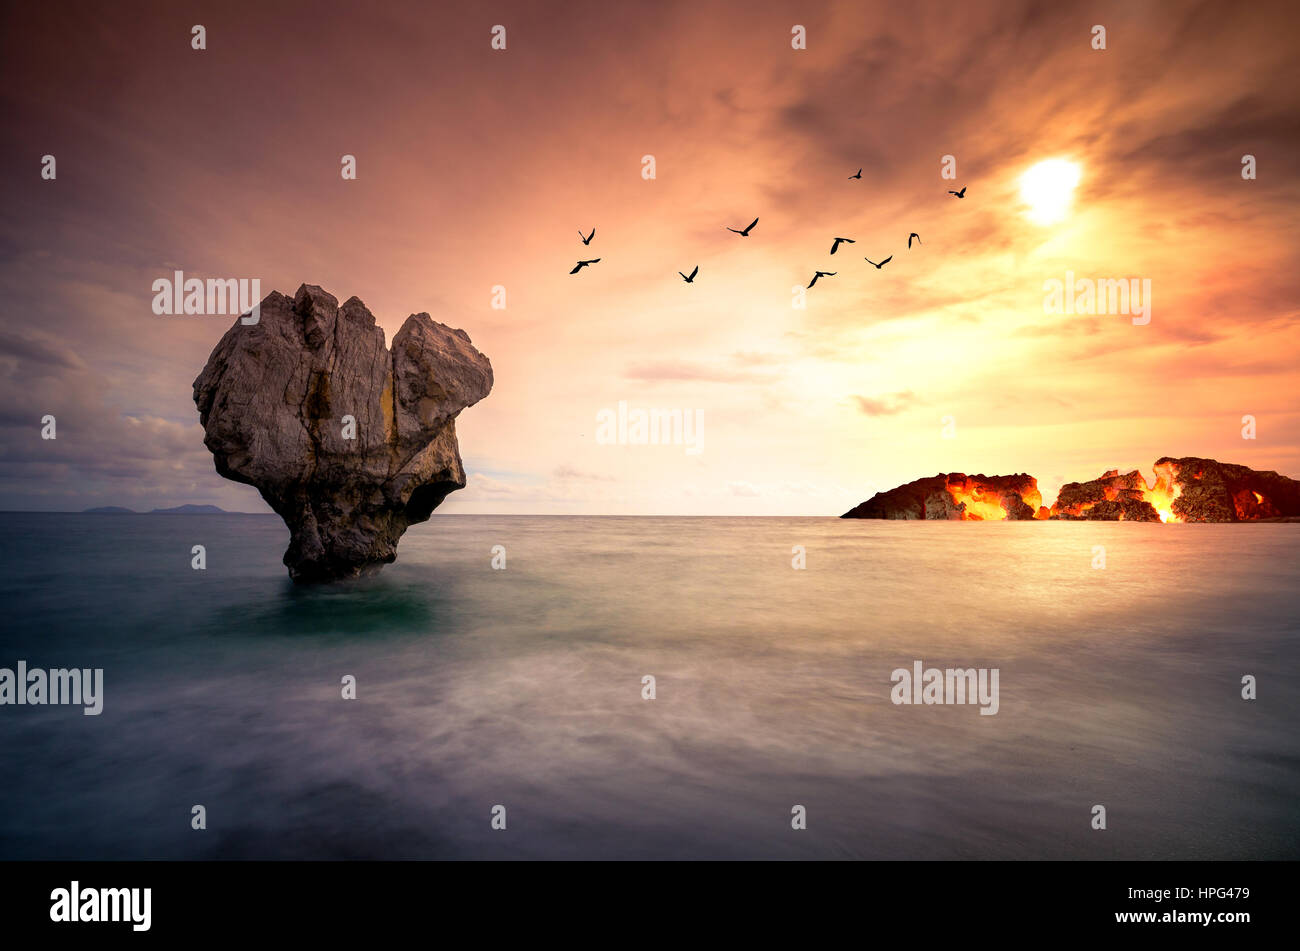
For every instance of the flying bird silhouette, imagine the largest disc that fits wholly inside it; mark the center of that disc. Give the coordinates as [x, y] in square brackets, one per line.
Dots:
[881, 264]
[745, 233]
[859, 175]
[911, 236]
[838, 242]
[587, 239]
[960, 194]
[581, 264]
[691, 279]
[822, 274]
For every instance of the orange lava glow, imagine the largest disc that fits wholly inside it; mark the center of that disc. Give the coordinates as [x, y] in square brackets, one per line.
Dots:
[979, 507]
[985, 505]
[1162, 494]
[1250, 505]
[1132, 487]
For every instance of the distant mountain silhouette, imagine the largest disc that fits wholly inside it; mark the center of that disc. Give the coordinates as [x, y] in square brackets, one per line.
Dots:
[177, 510]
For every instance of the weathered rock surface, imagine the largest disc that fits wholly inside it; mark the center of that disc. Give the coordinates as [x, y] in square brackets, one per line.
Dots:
[275, 400]
[1121, 510]
[1113, 497]
[955, 496]
[1212, 491]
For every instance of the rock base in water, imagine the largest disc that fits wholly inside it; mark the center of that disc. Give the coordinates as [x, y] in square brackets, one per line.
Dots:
[348, 441]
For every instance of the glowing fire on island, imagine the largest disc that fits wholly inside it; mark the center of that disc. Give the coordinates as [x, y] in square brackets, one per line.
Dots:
[1184, 490]
[1129, 488]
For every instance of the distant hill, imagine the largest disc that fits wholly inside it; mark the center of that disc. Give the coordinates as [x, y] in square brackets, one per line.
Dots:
[177, 510]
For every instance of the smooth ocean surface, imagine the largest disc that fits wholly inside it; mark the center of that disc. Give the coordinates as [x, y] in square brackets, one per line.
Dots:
[523, 688]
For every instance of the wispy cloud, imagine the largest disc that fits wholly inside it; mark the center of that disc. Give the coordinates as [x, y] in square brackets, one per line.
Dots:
[889, 406]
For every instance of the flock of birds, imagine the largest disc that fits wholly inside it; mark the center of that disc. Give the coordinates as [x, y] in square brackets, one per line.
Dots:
[744, 233]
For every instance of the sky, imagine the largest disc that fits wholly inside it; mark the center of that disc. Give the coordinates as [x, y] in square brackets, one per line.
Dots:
[476, 168]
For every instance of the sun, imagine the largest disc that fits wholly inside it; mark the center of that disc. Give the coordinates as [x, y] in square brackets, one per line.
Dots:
[1047, 188]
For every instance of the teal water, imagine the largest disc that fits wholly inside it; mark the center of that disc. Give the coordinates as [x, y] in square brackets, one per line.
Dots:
[476, 687]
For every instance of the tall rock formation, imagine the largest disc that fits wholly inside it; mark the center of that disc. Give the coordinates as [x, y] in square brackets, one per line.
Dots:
[348, 441]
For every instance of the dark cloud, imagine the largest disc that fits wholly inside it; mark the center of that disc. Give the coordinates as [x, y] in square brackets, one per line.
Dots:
[34, 349]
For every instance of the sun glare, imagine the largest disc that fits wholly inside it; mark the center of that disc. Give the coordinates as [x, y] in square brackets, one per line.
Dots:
[1047, 188]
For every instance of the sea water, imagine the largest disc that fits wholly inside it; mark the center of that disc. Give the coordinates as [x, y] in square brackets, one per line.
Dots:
[525, 688]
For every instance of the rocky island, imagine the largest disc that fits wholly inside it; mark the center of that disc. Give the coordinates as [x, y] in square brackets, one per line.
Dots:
[1187, 489]
[348, 441]
[956, 497]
